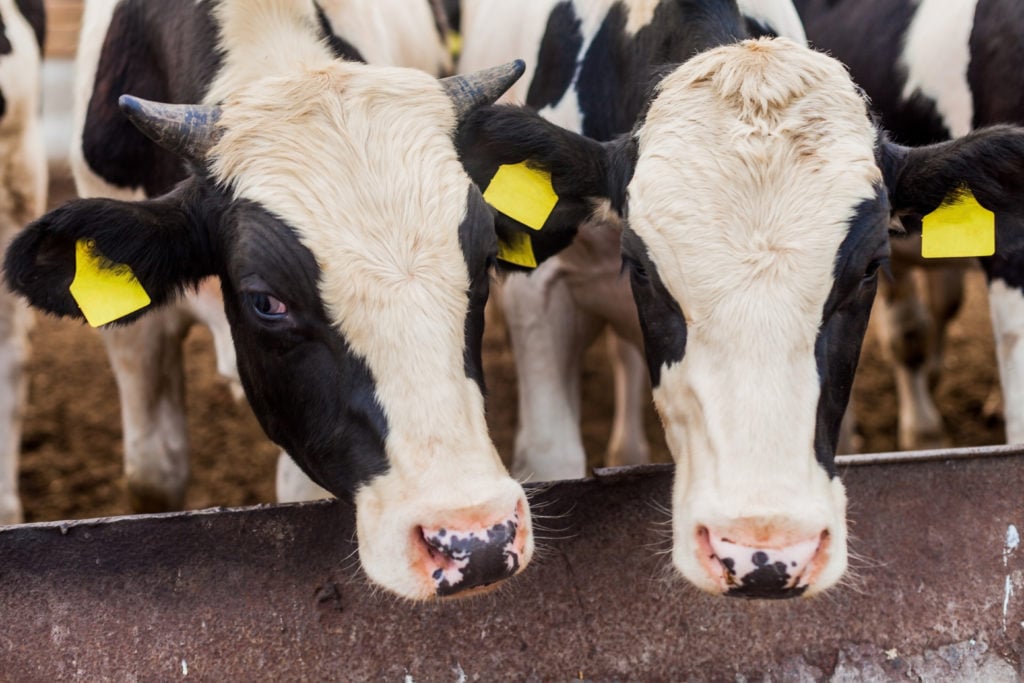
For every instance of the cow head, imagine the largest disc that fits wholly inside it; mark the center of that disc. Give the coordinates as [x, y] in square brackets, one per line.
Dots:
[756, 196]
[354, 254]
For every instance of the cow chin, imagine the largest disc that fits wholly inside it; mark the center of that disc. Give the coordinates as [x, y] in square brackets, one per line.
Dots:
[429, 538]
[790, 544]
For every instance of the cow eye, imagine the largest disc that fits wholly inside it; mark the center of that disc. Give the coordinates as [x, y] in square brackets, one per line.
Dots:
[872, 270]
[635, 268]
[266, 306]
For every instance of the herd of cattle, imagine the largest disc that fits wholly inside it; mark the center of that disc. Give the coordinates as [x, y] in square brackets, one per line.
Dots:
[686, 173]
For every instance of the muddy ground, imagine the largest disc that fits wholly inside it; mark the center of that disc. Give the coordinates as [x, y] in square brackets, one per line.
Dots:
[71, 464]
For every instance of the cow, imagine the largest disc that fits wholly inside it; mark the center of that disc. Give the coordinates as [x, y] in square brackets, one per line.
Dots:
[166, 50]
[755, 195]
[935, 70]
[23, 178]
[558, 311]
[353, 254]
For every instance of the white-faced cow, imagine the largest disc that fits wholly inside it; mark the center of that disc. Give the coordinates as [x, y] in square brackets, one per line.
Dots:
[22, 198]
[588, 66]
[935, 70]
[756, 195]
[173, 51]
[354, 254]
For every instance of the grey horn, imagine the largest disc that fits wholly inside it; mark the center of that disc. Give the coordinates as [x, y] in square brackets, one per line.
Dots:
[481, 87]
[188, 130]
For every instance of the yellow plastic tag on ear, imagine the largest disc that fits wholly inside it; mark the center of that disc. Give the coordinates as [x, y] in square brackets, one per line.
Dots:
[523, 194]
[518, 250]
[454, 43]
[960, 227]
[105, 291]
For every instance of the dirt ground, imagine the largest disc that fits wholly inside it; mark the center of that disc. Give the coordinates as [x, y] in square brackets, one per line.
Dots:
[71, 463]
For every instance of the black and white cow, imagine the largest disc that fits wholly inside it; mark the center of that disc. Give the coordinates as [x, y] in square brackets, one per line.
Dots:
[167, 50]
[354, 255]
[756, 196]
[22, 198]
[587, 74]
[935, 70]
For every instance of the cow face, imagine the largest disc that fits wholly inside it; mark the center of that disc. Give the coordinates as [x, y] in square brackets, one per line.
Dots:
[757, 195]
[354, 254]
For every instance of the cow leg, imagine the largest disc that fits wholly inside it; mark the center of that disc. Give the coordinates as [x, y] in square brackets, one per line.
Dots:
[15, 320]
[548, 334]
[1007, 308]
[207, 308]
[147, 360]
[906, 329]
[945, 287]
[628, 443]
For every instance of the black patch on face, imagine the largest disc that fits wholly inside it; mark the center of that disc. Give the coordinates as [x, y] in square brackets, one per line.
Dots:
[868, 36]
[661, 319]
[861, 257]
[162, 51]
[5, 43]
[767, 582]
[34, 12]
[556, 57]
[341, 48]
[311, 393]
[479, 248]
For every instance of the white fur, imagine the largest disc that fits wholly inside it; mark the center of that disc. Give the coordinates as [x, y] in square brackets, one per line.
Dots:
[393, 277]
[936, 54]
[1007, 307]
[22, 198]
[778, 156]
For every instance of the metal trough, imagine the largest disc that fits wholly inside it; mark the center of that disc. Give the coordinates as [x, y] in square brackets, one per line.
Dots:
[274, 593]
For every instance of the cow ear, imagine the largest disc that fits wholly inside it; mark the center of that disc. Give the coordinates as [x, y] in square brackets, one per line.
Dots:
[981, 173]
[106, 260]
[542, 180]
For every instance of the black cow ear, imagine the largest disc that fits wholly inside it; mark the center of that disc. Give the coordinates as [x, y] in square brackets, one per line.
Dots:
[543, 181]
[106, 260]
[977, 179]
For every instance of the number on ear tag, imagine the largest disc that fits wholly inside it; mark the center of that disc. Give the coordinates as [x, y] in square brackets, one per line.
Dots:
[105, 291]
[523, 194]
[960, 227]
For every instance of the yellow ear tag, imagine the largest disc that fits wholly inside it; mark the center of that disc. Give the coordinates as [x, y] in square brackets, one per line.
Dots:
[105, 291]
[518, 250]
[959, 227]
[523, 194]
[454, 43]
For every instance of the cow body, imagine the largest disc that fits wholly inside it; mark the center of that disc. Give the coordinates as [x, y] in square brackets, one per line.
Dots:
[594, 59]
[935, 70]
[166, 51]
[755, 195]
[22, 198]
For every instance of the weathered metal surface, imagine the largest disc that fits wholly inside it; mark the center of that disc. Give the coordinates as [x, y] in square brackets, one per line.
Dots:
[274, 593]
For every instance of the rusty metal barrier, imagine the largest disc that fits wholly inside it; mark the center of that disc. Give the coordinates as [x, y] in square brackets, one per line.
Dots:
[274, 593]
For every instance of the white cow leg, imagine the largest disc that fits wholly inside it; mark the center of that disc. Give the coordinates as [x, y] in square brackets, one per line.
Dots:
[15, 320]
[1007, 307]
[146, 357]
[207, 308]
[628, 443]
[548, 334]
[906, 330]
[293, 485]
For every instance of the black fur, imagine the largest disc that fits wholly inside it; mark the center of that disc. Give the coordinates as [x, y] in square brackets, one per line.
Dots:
[34, 12]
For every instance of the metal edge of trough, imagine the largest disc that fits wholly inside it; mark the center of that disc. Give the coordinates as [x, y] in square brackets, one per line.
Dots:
[275, 591]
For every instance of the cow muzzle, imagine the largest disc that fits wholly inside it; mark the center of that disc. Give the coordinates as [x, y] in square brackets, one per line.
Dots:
[461, 561]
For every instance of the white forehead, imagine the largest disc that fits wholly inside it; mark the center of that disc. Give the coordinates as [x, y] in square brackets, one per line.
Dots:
[752, 160]
[361, 163]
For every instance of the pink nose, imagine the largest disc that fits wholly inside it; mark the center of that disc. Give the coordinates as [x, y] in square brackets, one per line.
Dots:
[761, 571]
[462, 559]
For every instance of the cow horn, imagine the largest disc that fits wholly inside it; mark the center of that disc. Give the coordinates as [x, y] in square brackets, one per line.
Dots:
[481, 87]
[188, 130]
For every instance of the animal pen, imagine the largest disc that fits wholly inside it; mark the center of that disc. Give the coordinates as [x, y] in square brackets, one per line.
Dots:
[274, 593]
